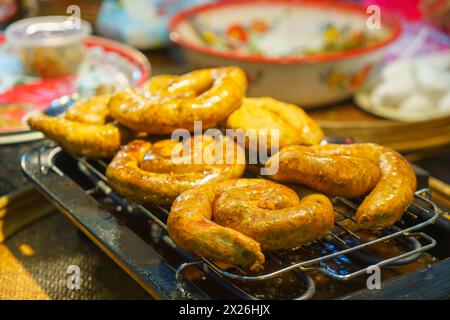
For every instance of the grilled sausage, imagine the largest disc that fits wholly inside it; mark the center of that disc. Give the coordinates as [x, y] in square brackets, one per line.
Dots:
[148, 173]
[393, 193]
[333, 175]
[81, 139]
[261, 115]
[169, 102]
[90, 111]
[231, 221]
[84, 130]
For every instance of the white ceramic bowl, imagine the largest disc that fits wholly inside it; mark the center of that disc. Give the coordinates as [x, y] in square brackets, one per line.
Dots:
[280, 29]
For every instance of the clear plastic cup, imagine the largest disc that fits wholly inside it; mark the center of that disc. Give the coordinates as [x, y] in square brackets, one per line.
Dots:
[50, 46]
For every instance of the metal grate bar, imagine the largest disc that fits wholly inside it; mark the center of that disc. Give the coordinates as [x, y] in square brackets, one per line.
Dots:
[350, 232]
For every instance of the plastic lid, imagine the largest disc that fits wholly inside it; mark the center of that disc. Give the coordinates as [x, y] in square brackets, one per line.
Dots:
[47, 31]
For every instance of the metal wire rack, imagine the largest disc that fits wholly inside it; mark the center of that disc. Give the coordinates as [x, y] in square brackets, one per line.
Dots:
[341, 245]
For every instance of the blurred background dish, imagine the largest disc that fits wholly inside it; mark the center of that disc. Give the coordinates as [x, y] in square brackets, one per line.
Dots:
[421, 137]
[107, 66]
[8, 8]
[418, 137]
[49, 46]
[88, 8]
[411, 89]
[140, 23]
[310, 53]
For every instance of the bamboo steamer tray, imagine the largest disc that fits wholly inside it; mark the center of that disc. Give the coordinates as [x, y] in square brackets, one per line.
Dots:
[347, 119]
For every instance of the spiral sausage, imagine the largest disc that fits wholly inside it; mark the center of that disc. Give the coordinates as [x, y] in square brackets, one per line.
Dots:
[392, 194]
[171, 102]
[260, 115]
[150, 173]
[231, 221]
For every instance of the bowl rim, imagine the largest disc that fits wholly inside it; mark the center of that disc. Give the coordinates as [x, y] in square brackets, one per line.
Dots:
[125, 51]
[387, 19]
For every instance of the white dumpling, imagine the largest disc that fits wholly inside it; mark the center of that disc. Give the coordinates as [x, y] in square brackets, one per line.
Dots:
[398, 69]
[392, 93]
[444, 103]
[432, 80]
[416, 103]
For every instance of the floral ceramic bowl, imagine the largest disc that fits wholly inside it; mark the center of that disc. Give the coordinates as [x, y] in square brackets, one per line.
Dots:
[306, 52]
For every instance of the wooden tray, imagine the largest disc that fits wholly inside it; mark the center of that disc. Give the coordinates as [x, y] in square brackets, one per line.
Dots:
[346, 119]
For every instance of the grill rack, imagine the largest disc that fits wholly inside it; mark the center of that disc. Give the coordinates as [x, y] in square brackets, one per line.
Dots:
[89, 169]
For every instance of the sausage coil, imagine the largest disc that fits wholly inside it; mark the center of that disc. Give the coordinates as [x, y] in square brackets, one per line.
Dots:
[171, 102]
[231, 221]
[149, 173]
[391, 195]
